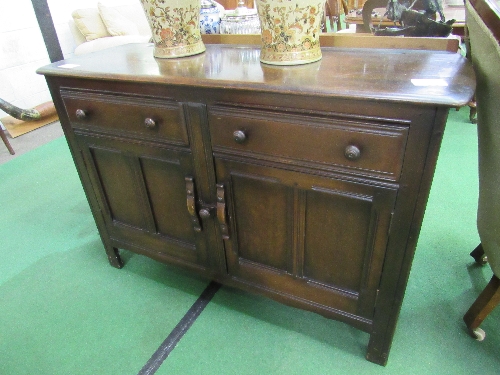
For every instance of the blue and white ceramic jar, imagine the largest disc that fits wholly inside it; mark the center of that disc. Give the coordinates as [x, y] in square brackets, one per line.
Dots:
[210, 15]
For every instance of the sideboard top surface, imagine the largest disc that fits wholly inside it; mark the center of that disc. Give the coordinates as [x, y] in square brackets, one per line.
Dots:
[408, 76]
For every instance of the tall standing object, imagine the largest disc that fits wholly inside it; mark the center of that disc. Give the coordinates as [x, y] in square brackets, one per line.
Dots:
[175, 26]
[290, 31]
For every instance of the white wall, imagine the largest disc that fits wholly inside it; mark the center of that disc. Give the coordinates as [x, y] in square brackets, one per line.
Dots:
[23, 51]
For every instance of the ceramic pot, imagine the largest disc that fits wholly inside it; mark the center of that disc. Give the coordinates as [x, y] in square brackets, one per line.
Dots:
[290, 31]
[209, 17]
[175, 26]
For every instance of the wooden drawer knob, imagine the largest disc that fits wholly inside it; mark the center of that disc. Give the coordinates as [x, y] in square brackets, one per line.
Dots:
[351, 152]
[81, 114]
[149, 123]
[239, 136]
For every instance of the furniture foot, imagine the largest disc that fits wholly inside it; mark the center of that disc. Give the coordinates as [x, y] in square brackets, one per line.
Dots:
[472, 112]
[377, 358]
[379, 345]
[482, 306]
[114, 257]
[479, 255]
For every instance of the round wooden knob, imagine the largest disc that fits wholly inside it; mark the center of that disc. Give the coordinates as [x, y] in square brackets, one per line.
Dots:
[239, 136]
[204, 213]
[149, 123]
[352, 152]
[80, 114]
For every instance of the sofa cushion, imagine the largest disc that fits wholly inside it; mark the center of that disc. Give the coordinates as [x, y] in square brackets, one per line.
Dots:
[116, 23]
[90, 24]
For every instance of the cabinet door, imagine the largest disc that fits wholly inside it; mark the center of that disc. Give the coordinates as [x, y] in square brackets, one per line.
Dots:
[143, 197]
[314, 238]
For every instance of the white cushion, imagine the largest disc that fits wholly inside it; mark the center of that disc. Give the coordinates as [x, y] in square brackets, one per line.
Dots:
[90, 24]
[116, 23]
[107, 42]
[78, 37]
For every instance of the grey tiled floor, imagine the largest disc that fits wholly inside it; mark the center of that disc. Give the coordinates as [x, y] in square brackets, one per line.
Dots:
[30, 141]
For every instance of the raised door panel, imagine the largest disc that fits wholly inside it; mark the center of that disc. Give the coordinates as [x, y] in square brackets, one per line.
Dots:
[112, 169]
[306, 237]
[346, 219]
[142, 193]
[262, 204]
[164, 180]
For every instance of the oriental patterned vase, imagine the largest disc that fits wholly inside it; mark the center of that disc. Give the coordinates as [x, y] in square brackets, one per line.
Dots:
[290, 31]
[175, 26]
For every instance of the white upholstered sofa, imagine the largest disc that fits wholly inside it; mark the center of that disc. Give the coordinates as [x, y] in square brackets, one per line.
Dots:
[103, 27]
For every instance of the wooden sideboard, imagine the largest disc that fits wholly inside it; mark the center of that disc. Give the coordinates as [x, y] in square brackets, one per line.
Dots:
[307, 184]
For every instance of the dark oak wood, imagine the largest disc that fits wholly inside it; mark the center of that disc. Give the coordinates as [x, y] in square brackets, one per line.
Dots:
[307, 184]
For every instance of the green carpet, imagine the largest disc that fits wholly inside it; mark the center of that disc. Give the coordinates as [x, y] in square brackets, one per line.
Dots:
[64, 310]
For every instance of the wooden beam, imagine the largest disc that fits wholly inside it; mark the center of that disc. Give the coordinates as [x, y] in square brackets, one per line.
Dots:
[48, 30]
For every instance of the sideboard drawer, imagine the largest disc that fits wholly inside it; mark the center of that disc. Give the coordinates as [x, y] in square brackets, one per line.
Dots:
[359, 146]
[128, 115]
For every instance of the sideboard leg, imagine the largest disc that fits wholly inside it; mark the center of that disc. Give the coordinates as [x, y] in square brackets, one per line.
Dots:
[114, 257]
[376, 352]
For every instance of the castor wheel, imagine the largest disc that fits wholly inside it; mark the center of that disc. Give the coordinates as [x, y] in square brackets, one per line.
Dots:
[478, 334]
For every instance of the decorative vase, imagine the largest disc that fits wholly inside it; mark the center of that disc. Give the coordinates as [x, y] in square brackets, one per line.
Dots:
[290, 31]
[175, 26]
[210, 16]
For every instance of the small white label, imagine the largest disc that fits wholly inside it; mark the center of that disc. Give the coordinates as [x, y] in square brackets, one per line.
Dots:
[430, 82]
[68, 66]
